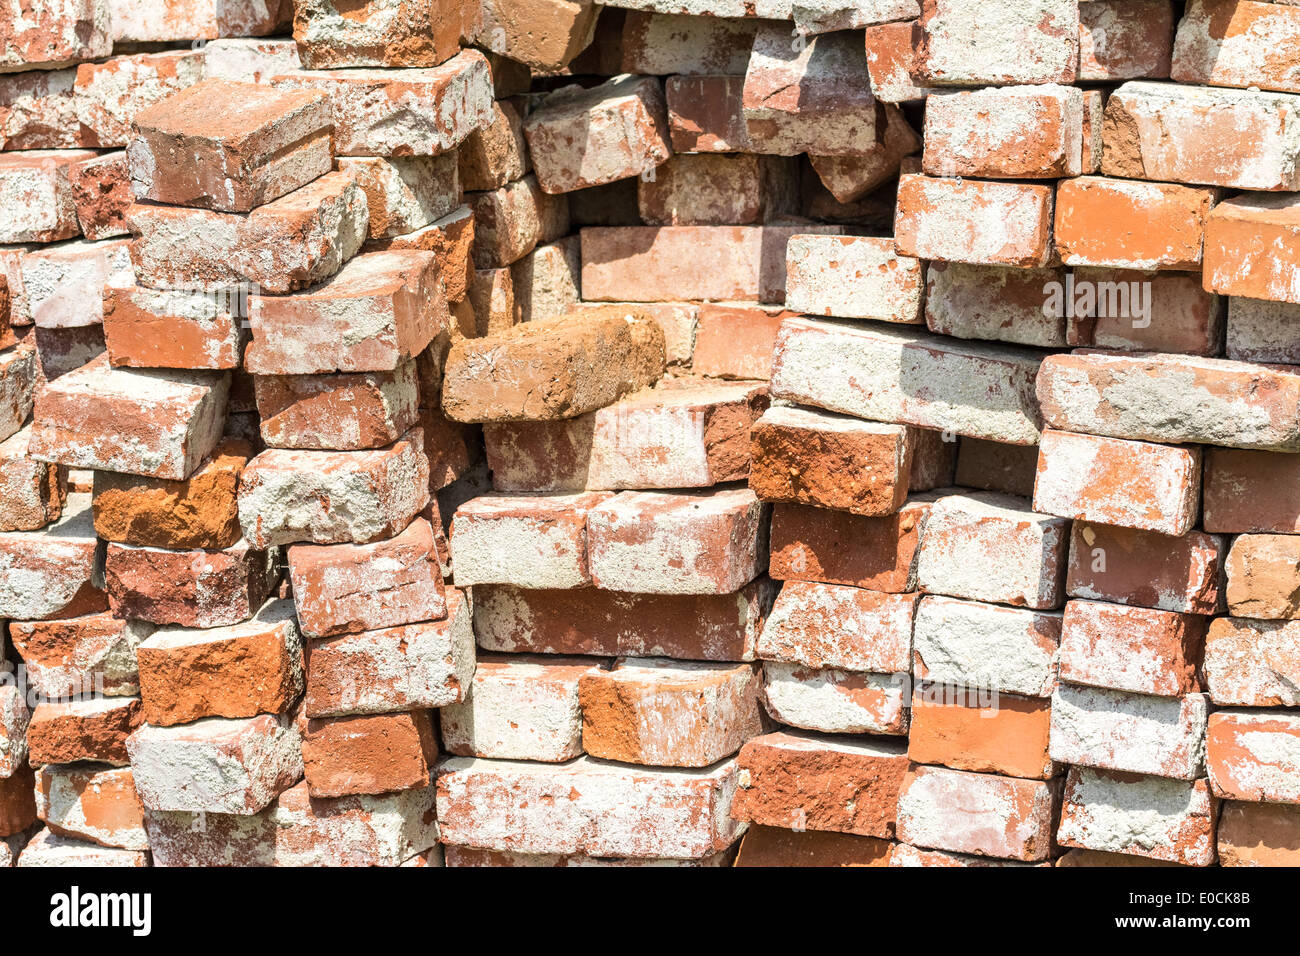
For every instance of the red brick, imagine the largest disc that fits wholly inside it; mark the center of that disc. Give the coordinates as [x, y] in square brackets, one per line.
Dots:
[193, 588]
[1251, 491]
[1252, 663]
[1254, 755]
[1146, 568]
[1237, 43]
[1091, 218]
[1008, 738]
[371, 754]
[92, 729]
[706, 113]
[1019, 132]
[779, 846]
[989, 223]
[1128, 648]
[813, 544]
[1259, 834]
[1125, 39]
[964, 43]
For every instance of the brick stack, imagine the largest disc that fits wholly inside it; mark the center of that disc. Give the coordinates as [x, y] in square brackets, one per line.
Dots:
[517, 433]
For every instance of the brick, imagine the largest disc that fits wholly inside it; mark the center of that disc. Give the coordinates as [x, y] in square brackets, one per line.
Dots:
[1002, 649]
[1250, 245]
[1252, 663]
[519, 707]
[620, 129]
[417, 112]
[735, 340]
[509, 28]
[994, 466]
[138, 21]
[814, 544]
[556, 368]
[1100, 858]
[778, 846]
[895, 361]
[830, 461]
[347, 411]
[56, 34]
[993, 302]
[296, 241]
[47, 849]
[1008, 738]
[287, 496]
[450, 239]
[669, 714]
[38, 110]
[891, 63]
[1141, 650]
[87, 729]
[706, 113]
[585, 806]
[64, 350]
[1261, 571]
[361, 830]
[1250, 491]
[1146, 312]
[1262, 331]
[1258, 834]
[545, 536]
[1112, 481]
[466, 856]
[1171, 398]
[1155, 817]
[704, 627]
[497, 154]
[36, 186]
[32, 493]
[90, 803]
[14, 718]
[910, 856]
[981, 814]
[668, 263]
[405, 33]
[381, 753]
[1037, 134]
[405, 193]
[977, 222]
[1137, 733]
[239, 670]
[662, 44]
[112, 94]
[17, 387]
[1090, 213]
[1145, 568]
[215, 765]
[193, 588]
[1254, 755]
[964, 532]
[249, 60]
[814, 782]
[825, 626]
[346, 588]
[835, 701]
[148, 328]
[509, 222]
[824, 16]
[17, 806]
[197, 512]
[95, 652]
[489, 308]
[11, 266]
[1228, 43]
[408, 667]
[684, 433]
[853, 277]
[716, 189]
[807, 97]
[545, 281]
[963, 43]
[851, 177]
[56, 572]
[1125, 39]
[1194, 134]
[379, 311]
[63, 283]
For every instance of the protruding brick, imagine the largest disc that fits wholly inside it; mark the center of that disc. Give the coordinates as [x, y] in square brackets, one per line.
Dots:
[1237, 43]
[586, 806]
[965, 43]
[989, 223]
[1137, 733]
[586, 137]
[1124, 39]
[1145, 568]
[496, 154]
[55, 34]
[216, 765]
[591, 621]
[987, 646]
[853, 278]
[405, 193]
[519, 707]
[56, 572]
[812, 782]
[1134, 649]
[1252, 663]
[1153, 817]
[63, 283]
[150, 328]
[369, 754]
[111, 95]
[1254, 755]
[409, 667]
[851, 177]
[1111, 481]
[1251, 246]
[1037, 133]
[32, 493]
[324, 497]
[891, 63]
[509, 28]
[36, 188]
[706, 113]
[79, 655]
[88, 729]
[1091, 212]
[405, 33]
[85, 802]
[345, 411]
[416, 112]
[195, 588]
[834, 701]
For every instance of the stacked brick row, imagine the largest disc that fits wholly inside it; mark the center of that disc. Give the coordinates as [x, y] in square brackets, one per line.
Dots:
[687, 434]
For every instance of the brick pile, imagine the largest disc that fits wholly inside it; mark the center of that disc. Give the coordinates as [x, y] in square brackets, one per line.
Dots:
[666, 433]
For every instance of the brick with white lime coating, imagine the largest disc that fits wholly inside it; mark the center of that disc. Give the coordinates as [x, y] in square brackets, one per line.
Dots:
[1011, 650]
[836, 701]
[1254, 755]
[357, 830]
[92, 802]
[46, 849]
[54, 571]
[1149, 816]
[14, 717]
[968, 43]
[853, 277]
[836, 626]
[530, 541]
[519, 707]
[892, 375]
[216, 765]
[1138, 733]
[587, 806]
[989, 546]
[328, 497]
[1251, 663]
[1263, 331]
[1172, 398]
